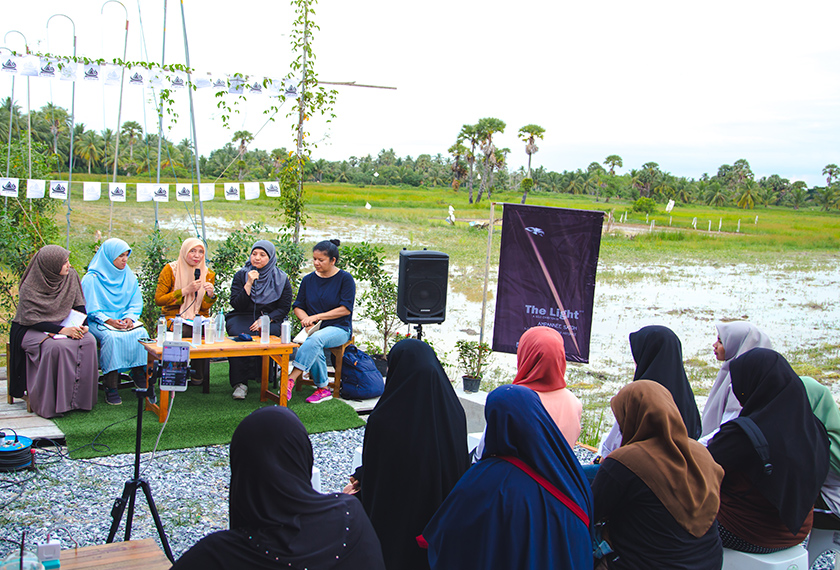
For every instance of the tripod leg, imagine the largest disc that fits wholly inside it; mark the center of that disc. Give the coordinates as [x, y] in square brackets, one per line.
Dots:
[148, 492]
[130, 517]
[119, 508]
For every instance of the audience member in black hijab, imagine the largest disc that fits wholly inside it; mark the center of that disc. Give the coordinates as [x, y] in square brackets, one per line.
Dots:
[415, 451]
[767, 505]
[276, 519]
[657, 351]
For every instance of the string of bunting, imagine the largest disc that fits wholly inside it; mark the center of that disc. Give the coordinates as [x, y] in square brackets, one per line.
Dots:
[142, 74]
[145, 192]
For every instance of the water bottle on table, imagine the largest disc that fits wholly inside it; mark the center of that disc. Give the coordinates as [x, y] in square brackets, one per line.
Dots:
[177, 328]
[161, 331]
[196, 331]
[265, 329]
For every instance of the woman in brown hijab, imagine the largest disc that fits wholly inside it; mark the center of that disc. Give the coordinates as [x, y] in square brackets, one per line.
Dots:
[659, 492]
[55, 364]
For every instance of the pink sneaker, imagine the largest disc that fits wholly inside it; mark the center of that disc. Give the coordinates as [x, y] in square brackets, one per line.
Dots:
[291, 386]
[320, 395]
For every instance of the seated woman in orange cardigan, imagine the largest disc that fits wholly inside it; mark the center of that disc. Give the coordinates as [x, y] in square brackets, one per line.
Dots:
[179, 293]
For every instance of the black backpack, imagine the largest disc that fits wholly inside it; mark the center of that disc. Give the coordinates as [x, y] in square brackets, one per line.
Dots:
[360, 378]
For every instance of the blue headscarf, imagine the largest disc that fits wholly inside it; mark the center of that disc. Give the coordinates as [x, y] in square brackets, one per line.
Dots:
[113, 292]
[497, 516]
[269, 286]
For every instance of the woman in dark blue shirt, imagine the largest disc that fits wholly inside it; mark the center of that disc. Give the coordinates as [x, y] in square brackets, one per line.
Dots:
[326, 295]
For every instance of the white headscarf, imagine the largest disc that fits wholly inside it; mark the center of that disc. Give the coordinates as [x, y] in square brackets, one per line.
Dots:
[737, 337]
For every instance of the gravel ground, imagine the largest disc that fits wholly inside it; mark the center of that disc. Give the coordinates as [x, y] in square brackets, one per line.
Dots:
[189, 487]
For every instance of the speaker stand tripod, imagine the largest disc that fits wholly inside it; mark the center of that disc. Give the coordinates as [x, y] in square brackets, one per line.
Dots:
[130, 490]
[419, 329]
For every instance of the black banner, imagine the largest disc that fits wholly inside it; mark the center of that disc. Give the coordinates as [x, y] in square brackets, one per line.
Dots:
[547, 266]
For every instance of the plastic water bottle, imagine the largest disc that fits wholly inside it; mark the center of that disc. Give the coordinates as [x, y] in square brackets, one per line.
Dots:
[196, 330]
[177, 328]
[285, 332]
[265, 324]
[209, 331]
[220, 327]
[161, 331]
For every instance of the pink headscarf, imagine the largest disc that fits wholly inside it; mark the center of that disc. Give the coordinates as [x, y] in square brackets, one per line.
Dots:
[185, 274]
[541, 360]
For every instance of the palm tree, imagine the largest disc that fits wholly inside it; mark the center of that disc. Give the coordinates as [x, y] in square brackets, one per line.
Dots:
[88, 147]
[244, 137]
[131, 130]
[487, 127]
[716, 194]
[827, 198]
[798, 194]
[469, 133]
[458, 150]
[612, 161]
[529, 134]
[748, 195]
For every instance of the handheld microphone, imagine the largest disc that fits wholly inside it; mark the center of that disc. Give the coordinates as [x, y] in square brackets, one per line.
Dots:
[197, 273]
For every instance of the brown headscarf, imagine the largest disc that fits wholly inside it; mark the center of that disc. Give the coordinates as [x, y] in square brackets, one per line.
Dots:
[45, 294]
[185, 274]
[655, 446]
[541, 360]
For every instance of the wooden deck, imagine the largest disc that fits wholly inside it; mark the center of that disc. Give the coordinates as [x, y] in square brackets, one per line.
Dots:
[25, 423]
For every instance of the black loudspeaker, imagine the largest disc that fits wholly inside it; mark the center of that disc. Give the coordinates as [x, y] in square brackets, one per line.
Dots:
[421, 296]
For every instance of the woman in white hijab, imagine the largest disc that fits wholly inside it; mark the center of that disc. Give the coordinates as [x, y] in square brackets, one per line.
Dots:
[734, 339]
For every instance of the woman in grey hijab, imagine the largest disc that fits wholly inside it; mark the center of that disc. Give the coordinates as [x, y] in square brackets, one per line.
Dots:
[259, 288]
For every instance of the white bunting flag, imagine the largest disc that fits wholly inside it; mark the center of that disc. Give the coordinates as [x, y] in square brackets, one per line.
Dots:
[184, 193]
[252, 190]
[179, 80]
[91, 72]
[137, 76]
[35, 189]
[274, 86]
[290, 89]
[92, 191]
[206, 191]
[231, 191]
[67, 70]
[156, 77]
[48, 68]
[236, 84]
[161, 192]
[202, 81]
[111, 74]
[145, 192]
[116, 192]
[9, 187]
[58, 190]
[272, 189]
[28, 65]
[9, 64]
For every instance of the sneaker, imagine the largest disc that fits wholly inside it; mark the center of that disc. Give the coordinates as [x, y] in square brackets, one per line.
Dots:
[291, 386]
[320, 395]
[240, 391]
[112, 396]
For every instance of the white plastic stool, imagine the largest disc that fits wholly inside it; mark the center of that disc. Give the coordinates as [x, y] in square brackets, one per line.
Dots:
[316, 479]
[357, 459]
[822, 540]
[473, 440]
[793, 558]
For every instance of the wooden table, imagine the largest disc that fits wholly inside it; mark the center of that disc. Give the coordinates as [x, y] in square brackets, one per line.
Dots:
[275, 350]
[134, 554]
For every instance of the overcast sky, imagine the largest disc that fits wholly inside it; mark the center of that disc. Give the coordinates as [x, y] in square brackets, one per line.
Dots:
[690, 85]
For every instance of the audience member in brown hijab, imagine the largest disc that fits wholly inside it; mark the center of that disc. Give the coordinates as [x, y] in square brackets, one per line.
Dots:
[56, 365]
[659, 492]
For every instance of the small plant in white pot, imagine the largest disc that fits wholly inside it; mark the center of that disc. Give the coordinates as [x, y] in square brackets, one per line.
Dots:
[472, 357]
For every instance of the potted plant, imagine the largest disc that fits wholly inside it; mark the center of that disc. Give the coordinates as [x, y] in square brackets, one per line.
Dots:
[472, 357]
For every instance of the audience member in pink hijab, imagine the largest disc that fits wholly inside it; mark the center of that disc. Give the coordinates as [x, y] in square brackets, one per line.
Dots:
[541, 366]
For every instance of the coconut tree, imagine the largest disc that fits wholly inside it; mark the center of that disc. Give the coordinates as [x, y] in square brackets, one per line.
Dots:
[529, 135]
[131, 130]
[716, 194]
[827, 198]
[243, 137]
[469, 133]
[88, 148]
[798, 194]
[748, 195]
[459, 171]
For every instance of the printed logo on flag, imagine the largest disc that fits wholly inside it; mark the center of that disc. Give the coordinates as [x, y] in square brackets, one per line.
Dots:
[291, 90]
[58, 189]
[161, 193]
[536, 231]
[9, 187]
[178, 83]
[92, 73]
[9, 66]
[135, 79]
[184, 192]
[256, 88]
[219, 84]
[232, 192]
[47, 68]
[272, 189]
[116, 192]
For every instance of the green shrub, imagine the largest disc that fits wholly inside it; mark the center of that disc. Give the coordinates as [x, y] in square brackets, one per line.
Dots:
[644, 205]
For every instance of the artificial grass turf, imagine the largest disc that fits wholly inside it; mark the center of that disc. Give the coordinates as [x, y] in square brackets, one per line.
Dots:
[196, 420]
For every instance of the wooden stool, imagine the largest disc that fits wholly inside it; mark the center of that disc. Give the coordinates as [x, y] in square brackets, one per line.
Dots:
[338, 353]
[9, 398]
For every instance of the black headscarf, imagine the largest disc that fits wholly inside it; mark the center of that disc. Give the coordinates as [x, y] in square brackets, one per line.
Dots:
[415, 451]
[269, 287]
[275, 515]
[775, 399]
[658, 355]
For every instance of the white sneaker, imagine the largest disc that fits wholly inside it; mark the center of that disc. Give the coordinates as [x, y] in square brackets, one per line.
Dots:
[240, 391]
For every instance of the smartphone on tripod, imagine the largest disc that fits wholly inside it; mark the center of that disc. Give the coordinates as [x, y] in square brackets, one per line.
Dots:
[175, 366]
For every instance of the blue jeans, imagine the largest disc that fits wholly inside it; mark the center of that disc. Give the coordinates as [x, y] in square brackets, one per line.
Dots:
[310, 355]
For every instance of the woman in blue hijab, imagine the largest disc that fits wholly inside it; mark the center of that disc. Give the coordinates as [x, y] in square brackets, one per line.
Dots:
[114, 302]
[259, 288]
[525, 504]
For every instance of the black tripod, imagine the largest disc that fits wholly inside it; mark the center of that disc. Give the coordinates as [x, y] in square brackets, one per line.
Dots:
[130, 490]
